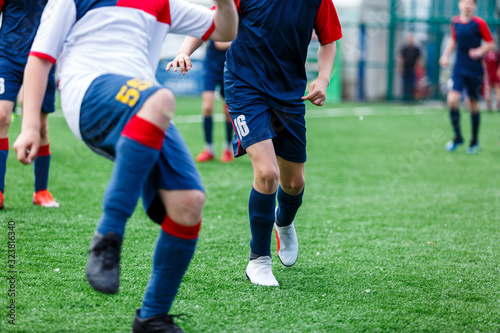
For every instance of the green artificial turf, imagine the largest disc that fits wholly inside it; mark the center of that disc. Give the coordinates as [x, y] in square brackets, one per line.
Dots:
[395, 233]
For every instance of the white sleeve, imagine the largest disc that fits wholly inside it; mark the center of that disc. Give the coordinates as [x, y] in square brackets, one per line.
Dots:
[57, 19]
[190, 19]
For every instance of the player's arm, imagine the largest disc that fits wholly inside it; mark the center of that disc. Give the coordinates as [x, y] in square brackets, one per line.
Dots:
[328, 31]
[488, 45]
[57, 19]
[222, 46]
[225, 21]
[317, 88]
[35, 83]
[479, 52]
[223, 26]
[445, 57]
[182, 59]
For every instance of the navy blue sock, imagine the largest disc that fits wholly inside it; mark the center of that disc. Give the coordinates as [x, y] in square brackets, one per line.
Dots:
[4, 153]
[455, 122]
[475, 120]
[171, 260]
[207, 128]
[229, 132]
[287, 207]
[41, 168]
[261, 210]
[137, 151]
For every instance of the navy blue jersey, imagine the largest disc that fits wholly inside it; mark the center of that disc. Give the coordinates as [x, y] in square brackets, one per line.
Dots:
[469, 35]
[270, 50]
[20, 22]
[214, 59]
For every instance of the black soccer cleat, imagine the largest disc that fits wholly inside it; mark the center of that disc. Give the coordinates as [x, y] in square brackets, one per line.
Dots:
[163, 323]
[103, 267]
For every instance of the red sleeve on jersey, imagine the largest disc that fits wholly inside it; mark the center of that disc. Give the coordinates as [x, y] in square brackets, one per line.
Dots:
[43, 56]
[484, 29]
[327, 23]
[208, 33]
[453, 31]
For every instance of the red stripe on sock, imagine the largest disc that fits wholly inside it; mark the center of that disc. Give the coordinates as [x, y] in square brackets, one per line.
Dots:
[181, 231]
[144, 132]
[44, 150]
[4, 143]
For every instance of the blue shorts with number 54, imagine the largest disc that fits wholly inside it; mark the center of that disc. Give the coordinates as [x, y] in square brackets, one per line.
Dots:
[108, 105]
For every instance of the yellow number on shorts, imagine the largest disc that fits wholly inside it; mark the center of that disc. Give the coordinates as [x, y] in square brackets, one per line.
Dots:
[139, 84]
[128, 95]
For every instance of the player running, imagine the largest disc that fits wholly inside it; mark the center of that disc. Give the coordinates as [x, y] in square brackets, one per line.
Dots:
[467, 33]
[111, 102]
[264, 84]
[213, 76]
[19, 24]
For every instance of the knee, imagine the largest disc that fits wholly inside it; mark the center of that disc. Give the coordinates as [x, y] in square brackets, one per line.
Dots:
[294, 187]
[207, 108]
[163, 104]
[188, 208]
[453, 100]
[44, 131]
[268, 178]
[5, 117]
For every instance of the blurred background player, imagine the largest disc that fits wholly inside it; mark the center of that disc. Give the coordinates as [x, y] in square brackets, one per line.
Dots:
[110, 101]
[492, 81]
[408, 61]
[213, 76]
[19, 24]
[467, 33]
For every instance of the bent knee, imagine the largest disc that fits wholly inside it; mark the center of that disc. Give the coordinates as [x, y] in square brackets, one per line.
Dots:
[295, 187]
[188, 207]
[5, 117]
[162, 103]
[268, 178]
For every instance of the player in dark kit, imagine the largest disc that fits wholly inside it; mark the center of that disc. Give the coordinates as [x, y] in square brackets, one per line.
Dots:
[19, 24]
[264, 84]
[467, 34]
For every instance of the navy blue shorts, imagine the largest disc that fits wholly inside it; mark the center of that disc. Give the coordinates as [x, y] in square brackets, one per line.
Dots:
[213, 78]
[256, 117]
[473, 85]
[102, 119]
[11, 79]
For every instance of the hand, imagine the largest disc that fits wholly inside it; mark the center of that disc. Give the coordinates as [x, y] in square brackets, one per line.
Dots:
[443, 62]
[317, 92]
[26, 146]
[476, 53]
[183, 61]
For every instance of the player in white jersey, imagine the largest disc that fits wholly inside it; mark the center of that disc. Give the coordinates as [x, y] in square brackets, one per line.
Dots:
[107, 52]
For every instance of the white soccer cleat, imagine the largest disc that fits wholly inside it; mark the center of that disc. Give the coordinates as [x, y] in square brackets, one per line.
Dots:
[259, 272]
[288, 245]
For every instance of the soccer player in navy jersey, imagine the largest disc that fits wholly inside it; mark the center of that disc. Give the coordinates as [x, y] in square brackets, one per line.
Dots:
[213, 76]
[467, 33]
[111, 102]
[264, 84]
[19, 24]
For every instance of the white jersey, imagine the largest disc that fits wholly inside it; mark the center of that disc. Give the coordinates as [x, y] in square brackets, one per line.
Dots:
[89, 38]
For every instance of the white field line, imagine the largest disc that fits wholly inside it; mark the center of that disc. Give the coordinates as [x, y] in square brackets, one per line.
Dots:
[326, 113]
